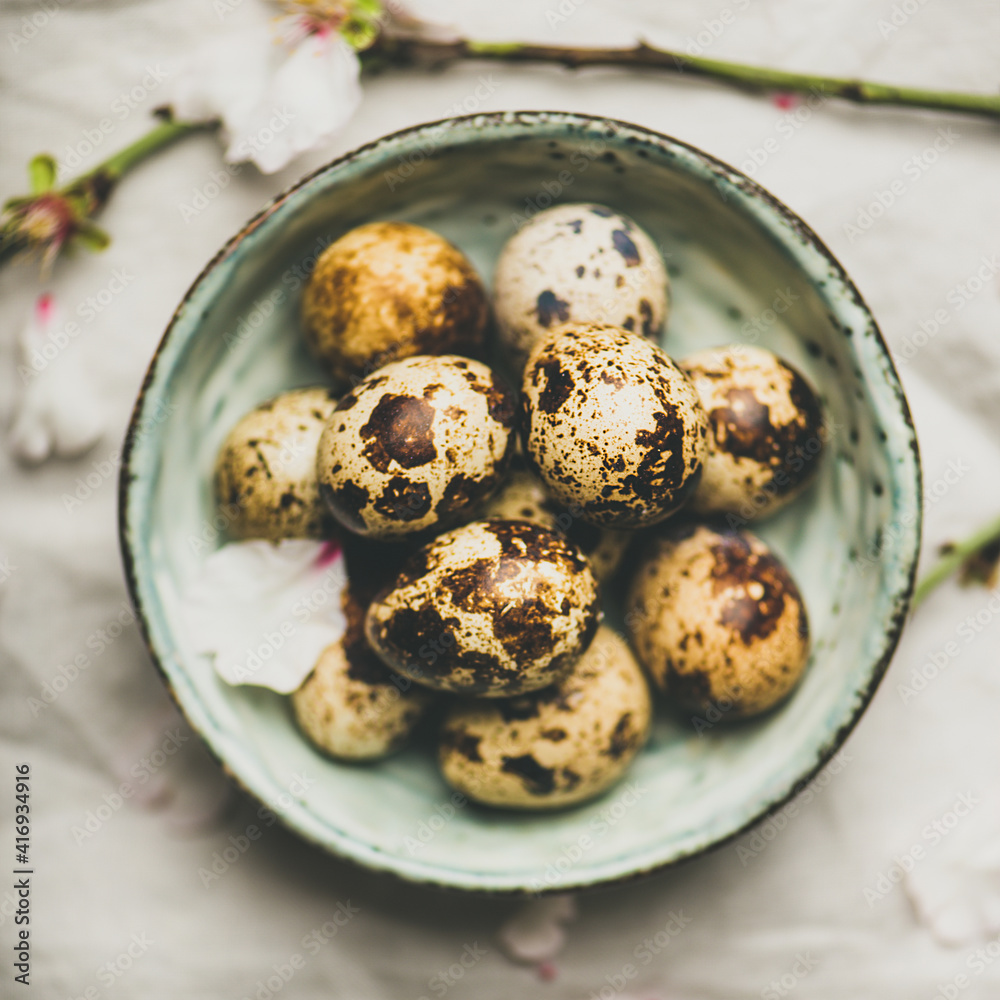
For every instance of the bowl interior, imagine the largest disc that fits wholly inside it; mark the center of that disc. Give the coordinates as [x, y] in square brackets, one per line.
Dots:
[743, 269]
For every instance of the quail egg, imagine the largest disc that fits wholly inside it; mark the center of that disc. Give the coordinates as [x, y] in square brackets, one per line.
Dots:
[523, 496]
[578, 263]
[554, 747]
[265, 472]
[493, 608]
[415, 444]
[766, 430]
[389, 290]
[351, 706]
[718, 621]
[613, 427]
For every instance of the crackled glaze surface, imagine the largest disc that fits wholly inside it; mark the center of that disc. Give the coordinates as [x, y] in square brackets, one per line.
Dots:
[731, 246]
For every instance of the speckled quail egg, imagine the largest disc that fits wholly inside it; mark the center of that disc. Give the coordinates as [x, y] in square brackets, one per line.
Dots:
[493, 608]
[766, 430]
[612, 425]
[554, 747]
[718, 621]
[522, 495]
[389, 290]
[578, 263]
[351, 706]
[415, 444]
[265, 472]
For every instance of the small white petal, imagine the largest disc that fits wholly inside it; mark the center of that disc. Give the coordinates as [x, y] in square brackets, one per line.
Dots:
[57, 412]
[265, 612]
[535, 933]
[226, 76]
[311, 96]
[277, 92]
[954, 886]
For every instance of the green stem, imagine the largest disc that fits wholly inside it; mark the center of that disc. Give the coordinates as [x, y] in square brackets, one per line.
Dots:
[949, 563]
[95, 186]
[412, 51]
[163, 135]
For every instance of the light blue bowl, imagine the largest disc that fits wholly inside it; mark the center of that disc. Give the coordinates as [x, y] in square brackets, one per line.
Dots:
[744, 268]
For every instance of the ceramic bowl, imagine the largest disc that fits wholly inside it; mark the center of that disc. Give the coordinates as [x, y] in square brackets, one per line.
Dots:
[744, 268]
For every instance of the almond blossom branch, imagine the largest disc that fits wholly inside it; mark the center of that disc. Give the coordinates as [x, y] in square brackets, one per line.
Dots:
[50, 218]
[954, 558]
[390, 50]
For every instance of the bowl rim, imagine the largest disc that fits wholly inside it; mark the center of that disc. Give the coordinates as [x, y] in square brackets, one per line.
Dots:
[764, 210]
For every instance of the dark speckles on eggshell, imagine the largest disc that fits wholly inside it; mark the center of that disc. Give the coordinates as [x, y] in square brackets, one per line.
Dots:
[648, 323]
[558, 385]
[501, 402]
[718, 618]
[537, 780]
[461, 492]
[550, 308]
[635, 465]
[462, 743]
[622, 737]
[400, 429]
[573, 263]
[520, 602]
[562, 744]
[346, 502]
[403, 500]
[626, 247]
[767, 430]
[425, 438]
[408, 630]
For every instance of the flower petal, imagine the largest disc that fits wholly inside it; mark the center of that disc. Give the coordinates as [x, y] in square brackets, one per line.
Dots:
[42, 173]
[226, 77]
[58, 412]
[535, 933]
[313, 95]
[265, 612]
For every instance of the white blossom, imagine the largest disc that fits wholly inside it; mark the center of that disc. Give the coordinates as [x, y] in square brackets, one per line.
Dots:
[264, 612]
[57, 412]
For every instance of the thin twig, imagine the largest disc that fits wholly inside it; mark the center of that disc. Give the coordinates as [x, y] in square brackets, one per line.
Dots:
[427, 53]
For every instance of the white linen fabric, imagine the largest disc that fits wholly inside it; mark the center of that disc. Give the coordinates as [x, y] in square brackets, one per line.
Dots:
[884, 885]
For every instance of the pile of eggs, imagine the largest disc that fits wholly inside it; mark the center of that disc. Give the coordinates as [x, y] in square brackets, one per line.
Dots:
[486, 526]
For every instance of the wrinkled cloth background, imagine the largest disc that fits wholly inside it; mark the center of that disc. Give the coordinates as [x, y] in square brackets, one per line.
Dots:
[118, 905]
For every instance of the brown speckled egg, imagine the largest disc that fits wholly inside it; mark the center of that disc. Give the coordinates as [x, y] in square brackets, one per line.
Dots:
[766, 430]
[265, 473]
[554, 747]
[522, 495]
[578, 264]
[389, 290]
[718, 621]
[415, 445]
[612, 425]
[351, 707]
[493, 608]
